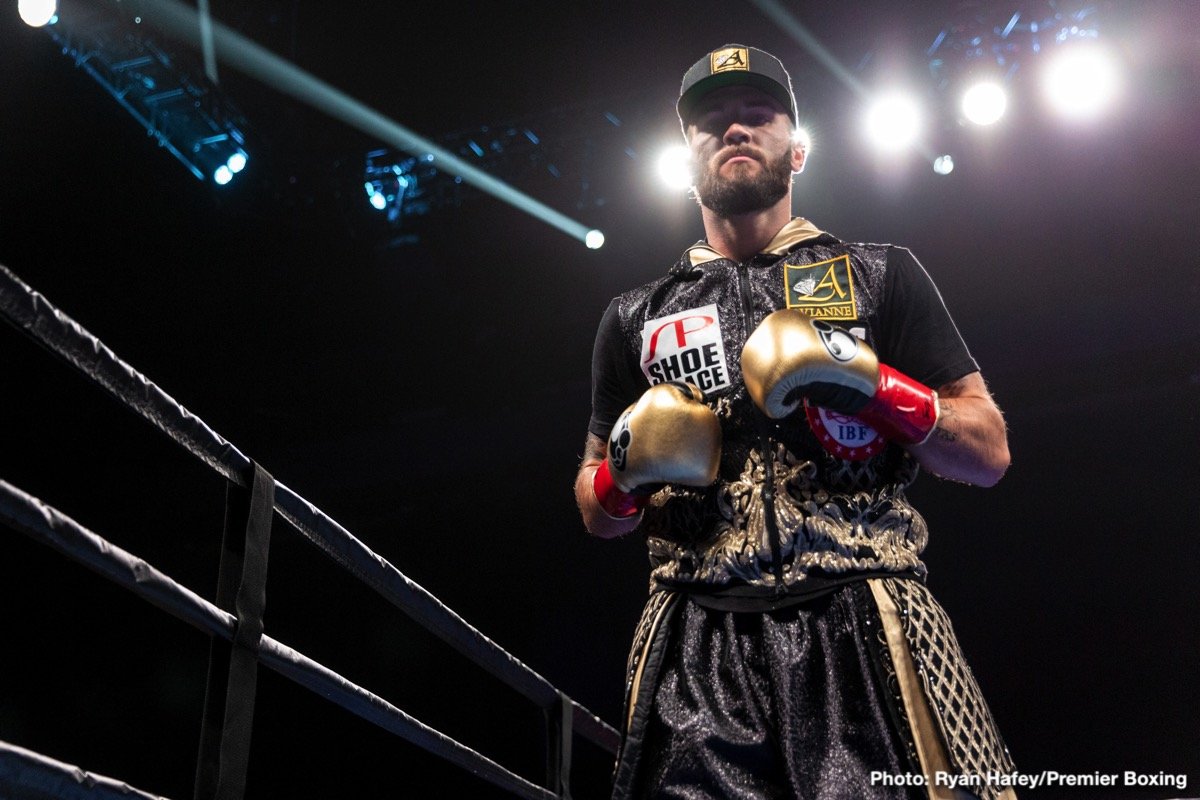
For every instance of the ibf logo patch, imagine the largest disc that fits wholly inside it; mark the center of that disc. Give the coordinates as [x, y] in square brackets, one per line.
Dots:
[731, 58]
[844, 436]
[824, 290]
[686, 346]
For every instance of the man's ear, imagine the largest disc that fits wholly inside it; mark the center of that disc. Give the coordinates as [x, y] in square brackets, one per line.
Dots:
[799, 154]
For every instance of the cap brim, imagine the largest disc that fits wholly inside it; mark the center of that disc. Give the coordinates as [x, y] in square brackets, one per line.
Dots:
[692, 97]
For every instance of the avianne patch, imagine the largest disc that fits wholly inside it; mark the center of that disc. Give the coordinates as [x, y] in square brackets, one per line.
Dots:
[729, 58]
[824, 290]
[686, 346]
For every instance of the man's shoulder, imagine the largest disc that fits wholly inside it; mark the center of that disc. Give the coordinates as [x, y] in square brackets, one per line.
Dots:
[827, 247]
[647, 289]
[678, 268]
[890, 249]
[876, 255]
[828, 241]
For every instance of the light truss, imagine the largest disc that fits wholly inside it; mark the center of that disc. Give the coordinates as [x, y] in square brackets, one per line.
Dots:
[176, 104]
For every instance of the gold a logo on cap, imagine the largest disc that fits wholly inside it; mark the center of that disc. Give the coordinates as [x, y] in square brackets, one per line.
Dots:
[731, 58]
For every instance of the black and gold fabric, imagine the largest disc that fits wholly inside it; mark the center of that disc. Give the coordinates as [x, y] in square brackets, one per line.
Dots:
[789, 646]
[833, 516]
[808, 701]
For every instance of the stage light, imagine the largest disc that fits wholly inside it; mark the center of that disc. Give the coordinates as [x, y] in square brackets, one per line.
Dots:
[389, 185]
[375, 195]
[237, 162]
[984, 103]
[943, 165]
[150, 78]
[238, 52]
[218, 157]
[594, 239]
[382, 192]
[893, 122]
[1081, 81]
[36, 13]
[675, 167]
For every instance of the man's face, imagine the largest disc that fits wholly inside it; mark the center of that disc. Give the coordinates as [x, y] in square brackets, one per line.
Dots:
[742, 151]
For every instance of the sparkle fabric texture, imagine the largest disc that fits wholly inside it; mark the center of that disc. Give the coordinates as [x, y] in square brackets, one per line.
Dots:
[784, 704]
[761, 667]
[835, 516]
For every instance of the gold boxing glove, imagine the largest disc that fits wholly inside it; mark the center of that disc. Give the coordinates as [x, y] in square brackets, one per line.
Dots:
[791, 356]
[668, 436]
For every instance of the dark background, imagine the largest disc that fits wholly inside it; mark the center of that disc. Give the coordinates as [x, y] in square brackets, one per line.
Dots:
[432, 394]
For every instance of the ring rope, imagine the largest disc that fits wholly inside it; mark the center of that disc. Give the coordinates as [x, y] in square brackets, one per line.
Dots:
[43, 778]
[31, 313]
[28, 515]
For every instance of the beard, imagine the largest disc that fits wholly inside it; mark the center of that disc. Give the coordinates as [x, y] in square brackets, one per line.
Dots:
[742, 194]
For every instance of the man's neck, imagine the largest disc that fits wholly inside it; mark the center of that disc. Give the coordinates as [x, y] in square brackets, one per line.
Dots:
[744, 236]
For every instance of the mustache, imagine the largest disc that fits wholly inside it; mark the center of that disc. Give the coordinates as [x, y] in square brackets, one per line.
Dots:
[735, 151]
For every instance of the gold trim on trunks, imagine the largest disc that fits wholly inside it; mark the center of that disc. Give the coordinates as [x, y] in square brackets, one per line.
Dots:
[951, 724]
[647, 631]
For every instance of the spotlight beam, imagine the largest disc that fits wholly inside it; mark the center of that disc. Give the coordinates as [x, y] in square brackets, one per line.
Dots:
[206, 41]
[263, 65]
[791, 26]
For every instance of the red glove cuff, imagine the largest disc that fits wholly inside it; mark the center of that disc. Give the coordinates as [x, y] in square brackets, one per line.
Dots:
[615, 502]
[905, 411]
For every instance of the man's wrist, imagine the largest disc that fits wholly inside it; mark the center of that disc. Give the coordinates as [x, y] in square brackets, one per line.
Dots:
[615, 502]
[904, 410]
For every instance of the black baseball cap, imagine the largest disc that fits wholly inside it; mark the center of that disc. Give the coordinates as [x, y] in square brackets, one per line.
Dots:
[731, 65]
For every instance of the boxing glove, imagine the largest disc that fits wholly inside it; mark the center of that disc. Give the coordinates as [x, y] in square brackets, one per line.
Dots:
[791, 356]
[668, 436]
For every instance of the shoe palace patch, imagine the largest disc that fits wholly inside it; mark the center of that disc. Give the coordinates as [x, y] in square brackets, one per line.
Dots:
[686, 346]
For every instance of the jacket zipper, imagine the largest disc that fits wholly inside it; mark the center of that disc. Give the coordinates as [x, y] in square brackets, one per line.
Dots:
[764, 443]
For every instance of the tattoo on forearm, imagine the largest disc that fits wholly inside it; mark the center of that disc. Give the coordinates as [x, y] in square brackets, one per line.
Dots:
[944, 433]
